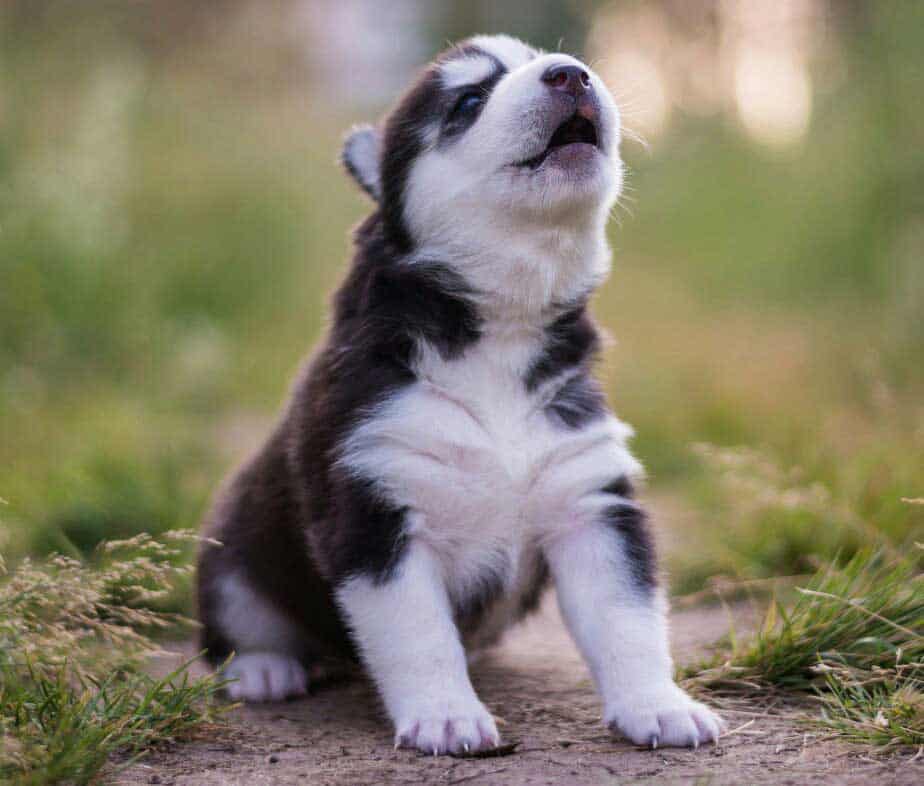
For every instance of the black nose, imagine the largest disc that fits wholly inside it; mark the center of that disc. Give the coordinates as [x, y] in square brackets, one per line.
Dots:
[567, 78]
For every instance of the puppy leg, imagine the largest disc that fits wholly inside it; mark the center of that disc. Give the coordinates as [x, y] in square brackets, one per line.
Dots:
[604, 575]
[265, 676]
[404, 627]
[266, 666]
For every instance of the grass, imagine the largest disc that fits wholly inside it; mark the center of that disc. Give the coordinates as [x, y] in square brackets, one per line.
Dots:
[884, 709]
[763, 519]
[73, 639]
[853, 637]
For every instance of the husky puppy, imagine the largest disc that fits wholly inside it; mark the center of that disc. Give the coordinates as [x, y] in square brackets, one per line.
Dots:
[447, 451]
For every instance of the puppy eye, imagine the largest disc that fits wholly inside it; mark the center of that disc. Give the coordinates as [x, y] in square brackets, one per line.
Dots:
[468, 103]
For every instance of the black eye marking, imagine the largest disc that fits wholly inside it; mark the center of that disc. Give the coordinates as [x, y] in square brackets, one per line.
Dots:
[465, 110]
[468, 104]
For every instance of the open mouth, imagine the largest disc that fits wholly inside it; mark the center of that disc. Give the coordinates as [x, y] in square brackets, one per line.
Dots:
[575, 130]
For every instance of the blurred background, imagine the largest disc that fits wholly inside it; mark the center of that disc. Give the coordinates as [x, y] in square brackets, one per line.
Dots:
[173, 219]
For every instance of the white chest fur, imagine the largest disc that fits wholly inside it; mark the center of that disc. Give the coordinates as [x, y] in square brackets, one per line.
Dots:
[487, 474]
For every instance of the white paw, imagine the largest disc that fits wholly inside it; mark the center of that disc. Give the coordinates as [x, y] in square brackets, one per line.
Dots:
[662, 716]
[447, 726]
[265, 676]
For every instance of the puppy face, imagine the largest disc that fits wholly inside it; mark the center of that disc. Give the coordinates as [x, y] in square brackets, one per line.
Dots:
[493, 133]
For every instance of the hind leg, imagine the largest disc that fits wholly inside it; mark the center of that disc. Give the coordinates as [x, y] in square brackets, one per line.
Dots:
[268, 646]
[265, 676]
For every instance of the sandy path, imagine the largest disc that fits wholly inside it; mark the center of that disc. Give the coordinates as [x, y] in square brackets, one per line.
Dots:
[538, 687]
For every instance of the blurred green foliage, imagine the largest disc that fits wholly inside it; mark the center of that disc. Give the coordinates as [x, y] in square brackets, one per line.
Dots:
[170, 228]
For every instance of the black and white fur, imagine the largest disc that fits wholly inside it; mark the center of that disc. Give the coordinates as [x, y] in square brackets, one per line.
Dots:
[446, 452]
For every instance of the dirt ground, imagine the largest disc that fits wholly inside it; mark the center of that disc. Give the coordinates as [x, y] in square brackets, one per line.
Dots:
[540, 691]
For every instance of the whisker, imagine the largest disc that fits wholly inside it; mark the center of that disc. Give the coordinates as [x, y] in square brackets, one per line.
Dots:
[636, 136]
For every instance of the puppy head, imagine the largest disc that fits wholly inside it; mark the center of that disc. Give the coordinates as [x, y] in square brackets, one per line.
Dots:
[494, 136]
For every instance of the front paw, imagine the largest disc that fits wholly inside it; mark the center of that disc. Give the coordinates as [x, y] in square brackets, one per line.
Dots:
[663, 716]
[447, 726]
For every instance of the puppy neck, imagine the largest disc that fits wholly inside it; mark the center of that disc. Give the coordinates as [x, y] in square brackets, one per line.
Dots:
[527, 272]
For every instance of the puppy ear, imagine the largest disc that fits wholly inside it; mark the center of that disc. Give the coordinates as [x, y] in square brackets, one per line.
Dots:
[361, 153]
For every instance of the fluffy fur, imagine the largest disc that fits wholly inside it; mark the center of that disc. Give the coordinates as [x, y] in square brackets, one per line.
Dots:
[447, 451]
